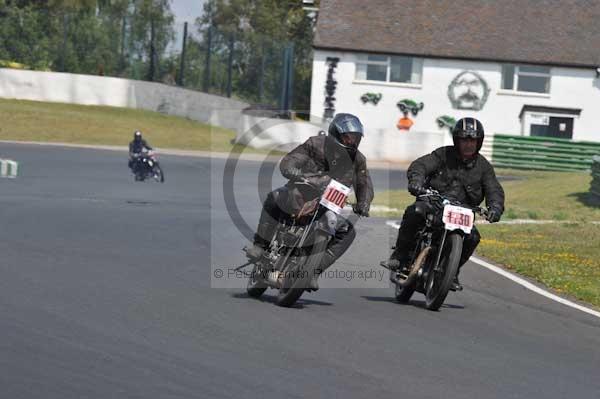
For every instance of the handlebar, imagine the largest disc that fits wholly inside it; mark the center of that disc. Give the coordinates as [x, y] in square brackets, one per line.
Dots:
[434, 194]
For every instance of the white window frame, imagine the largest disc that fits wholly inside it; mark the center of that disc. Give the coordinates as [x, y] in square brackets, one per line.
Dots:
[388, 65]
[518, 73]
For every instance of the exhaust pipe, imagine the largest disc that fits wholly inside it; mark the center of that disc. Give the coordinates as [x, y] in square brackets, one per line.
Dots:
[414, 270]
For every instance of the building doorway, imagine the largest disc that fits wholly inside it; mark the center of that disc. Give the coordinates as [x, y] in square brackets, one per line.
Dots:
[558, 127]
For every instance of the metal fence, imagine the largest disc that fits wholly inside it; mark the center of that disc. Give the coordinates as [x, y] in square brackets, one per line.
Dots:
[542, 153]
[256, 70]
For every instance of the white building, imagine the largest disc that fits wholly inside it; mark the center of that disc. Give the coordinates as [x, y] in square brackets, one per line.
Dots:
[522, 67]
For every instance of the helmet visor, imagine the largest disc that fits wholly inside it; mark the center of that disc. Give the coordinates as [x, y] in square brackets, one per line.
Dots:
[351, 139]
[348, 125]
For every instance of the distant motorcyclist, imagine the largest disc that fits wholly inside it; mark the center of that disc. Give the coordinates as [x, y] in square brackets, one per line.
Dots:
[458, 172]
[320, 159]
[136, 147]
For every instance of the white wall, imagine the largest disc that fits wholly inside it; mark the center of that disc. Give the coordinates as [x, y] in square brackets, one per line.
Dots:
[99, 90]
[570, 88]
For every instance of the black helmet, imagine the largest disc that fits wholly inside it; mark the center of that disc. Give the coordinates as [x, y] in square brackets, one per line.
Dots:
[137, 135]
[345, 124]
[468, 128]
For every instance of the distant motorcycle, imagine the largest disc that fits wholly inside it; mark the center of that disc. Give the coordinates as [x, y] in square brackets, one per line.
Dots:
[437, 252]
[146, 166]
[298, 245]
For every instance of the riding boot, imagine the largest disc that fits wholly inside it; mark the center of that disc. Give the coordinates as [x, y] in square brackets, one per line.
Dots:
[456, 285]
[262, 239]
[328, 259]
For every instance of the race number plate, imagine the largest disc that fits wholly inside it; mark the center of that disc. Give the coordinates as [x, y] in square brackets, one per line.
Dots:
[458, 218]
[335, 196]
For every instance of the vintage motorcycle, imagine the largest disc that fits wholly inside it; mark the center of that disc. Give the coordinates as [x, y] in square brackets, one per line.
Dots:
[146, 166]
[435, 258]
[299, 243]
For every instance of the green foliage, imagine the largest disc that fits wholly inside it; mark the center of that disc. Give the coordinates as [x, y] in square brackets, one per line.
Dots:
[106, 37]
[129, 38]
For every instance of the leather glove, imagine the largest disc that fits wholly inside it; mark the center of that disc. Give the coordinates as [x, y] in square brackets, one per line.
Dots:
[493, 215]
[361, 209]
[319, 181]
[416, 189]
[295, 173]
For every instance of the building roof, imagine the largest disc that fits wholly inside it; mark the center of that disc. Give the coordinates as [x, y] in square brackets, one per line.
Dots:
[551, 32]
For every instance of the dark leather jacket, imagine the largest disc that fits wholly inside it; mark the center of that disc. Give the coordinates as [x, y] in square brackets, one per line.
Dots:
[135, 147]
[469, 183]
[323, 154]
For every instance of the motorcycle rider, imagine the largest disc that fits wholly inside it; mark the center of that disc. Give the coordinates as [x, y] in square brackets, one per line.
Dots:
[318, 160]
[458, 172]
[136, 147]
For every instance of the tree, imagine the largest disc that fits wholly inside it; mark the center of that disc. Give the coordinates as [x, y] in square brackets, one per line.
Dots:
[262, 29]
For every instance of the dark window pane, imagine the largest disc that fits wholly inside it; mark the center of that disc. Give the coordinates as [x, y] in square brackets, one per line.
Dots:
[538, 130]
[508, 77]
[401, 69]
[533, 83]
[376, 72]
[382, 58]
[534, 69]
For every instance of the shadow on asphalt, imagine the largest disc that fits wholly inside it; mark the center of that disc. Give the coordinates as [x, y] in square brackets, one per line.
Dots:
[271, 299]
[415, 303]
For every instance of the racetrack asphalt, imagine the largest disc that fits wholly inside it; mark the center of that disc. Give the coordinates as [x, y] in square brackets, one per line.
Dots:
[105, 292]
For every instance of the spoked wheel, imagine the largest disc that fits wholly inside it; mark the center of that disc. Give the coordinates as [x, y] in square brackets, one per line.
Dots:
[440, 278]
[158, 174]
[256, 285]
[296, 280]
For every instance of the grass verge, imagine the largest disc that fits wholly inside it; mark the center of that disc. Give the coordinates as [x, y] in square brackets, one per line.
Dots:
[86, 124]
[564, 255]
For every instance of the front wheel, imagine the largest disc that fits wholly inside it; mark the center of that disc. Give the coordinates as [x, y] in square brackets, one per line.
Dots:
[296, 280]
[440, 278]
[158, 174]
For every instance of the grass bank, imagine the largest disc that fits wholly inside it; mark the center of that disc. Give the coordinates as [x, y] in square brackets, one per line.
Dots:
[564, 255]
[85, 124]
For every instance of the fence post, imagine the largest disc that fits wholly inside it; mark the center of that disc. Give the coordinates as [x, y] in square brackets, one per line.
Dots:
[230, 65]
[180, 77]
[290, 78]
[205, 86]
[63, 52]
[284, 68]
[152, 67]
[261, 76]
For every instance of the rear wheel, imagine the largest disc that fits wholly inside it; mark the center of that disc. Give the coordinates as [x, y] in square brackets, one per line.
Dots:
[296, 280]
[440, 278]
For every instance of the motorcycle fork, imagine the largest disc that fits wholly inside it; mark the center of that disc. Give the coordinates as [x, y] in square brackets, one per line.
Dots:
[436, 265]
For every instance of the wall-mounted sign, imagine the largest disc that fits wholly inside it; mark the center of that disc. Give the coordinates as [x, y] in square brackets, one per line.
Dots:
[411, 106]
[405, 106]
[373, 98]
[404, 123]
[330, 86]
[446, 121]
[468, 90]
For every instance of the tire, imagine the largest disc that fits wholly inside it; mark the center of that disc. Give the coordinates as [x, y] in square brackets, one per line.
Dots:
[403, 295]
[295, 281]
[256, 287]
[158, 173]
[438, 283]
